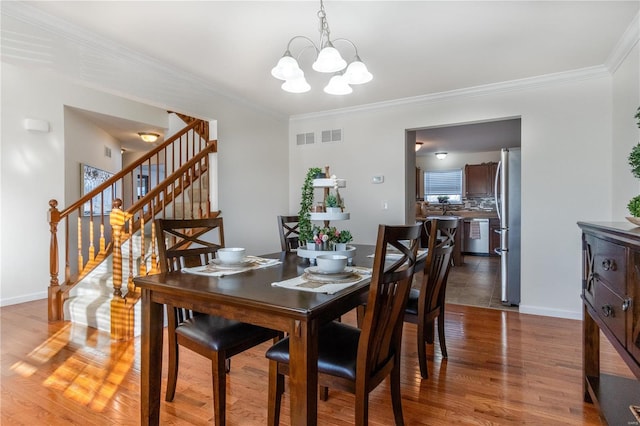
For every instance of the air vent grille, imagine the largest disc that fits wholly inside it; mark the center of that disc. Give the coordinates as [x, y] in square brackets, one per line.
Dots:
[107, 151]
[305, 138]
[334, 135]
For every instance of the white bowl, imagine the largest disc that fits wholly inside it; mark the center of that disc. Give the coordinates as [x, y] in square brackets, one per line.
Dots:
[331, 263]
[231, 254]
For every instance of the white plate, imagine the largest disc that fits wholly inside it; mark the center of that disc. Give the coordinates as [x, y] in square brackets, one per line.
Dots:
[219, 264]
[314, 270]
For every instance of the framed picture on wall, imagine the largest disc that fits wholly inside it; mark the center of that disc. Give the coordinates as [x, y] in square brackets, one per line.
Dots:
[92, 178]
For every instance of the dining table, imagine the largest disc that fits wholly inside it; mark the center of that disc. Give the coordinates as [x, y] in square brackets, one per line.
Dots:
[251, 297]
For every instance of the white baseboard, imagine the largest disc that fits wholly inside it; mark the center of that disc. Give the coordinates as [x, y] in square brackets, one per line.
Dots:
[547, 312]
[24, 298]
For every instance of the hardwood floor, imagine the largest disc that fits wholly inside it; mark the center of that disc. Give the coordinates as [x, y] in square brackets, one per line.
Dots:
[504, 368]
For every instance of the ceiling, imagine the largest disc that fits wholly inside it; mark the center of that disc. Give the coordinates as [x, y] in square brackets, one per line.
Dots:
[412, 48]
[470, 137]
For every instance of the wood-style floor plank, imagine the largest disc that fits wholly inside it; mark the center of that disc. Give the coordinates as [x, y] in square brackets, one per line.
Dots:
[504, 368]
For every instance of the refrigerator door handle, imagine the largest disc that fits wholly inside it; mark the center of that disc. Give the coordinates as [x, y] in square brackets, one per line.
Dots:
[495, 190]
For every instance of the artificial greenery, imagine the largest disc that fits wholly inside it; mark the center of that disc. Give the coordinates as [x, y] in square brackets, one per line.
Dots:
[304, 215]
[634, 162]
[331, 201]
[634, 206]
[344, 236]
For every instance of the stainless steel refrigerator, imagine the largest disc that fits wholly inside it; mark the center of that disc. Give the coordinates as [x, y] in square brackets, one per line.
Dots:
[507, 193]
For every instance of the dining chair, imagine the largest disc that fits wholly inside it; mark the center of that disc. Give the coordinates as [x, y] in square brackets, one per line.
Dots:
[353, 359]
[427, 303]
[189, 243]
[289, 232]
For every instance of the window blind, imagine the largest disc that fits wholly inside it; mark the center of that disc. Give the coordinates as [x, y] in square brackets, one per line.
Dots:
[443, 182]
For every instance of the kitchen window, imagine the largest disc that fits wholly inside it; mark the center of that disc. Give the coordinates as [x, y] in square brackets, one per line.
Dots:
[443, 182]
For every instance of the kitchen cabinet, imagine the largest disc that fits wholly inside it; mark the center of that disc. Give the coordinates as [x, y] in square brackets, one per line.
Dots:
[610, 285]
[479, 179]
[494, 237]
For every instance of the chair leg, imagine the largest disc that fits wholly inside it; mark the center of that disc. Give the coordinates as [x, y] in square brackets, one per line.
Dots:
[396, 397]
[172, 372]
[276, 389]
[443, 345]
[219, 379]
[324, 393]
[422, 351]
[360, 314]
[362, 406]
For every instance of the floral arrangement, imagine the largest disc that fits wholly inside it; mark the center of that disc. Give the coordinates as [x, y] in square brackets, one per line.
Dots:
[304, 216]
[330, 235]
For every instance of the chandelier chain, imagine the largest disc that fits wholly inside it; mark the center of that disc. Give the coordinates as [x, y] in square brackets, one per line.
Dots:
[324, 26]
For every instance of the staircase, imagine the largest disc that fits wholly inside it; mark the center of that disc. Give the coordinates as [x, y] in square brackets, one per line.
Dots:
[101, 254]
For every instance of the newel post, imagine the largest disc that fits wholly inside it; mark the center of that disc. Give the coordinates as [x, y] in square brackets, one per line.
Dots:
[56, 298]
[121, 323]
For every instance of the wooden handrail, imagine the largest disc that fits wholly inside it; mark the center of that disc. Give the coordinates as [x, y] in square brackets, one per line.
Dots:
[184, 158]
[129, 169]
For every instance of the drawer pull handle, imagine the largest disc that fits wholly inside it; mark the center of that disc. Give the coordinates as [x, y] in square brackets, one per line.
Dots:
[607, 311]
[608, 265]
[626, 304]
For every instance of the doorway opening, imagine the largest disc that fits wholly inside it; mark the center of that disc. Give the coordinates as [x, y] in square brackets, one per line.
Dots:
[474, 149]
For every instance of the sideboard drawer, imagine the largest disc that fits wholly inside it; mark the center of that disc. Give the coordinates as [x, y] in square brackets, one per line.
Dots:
[610, 265]
[609, 308]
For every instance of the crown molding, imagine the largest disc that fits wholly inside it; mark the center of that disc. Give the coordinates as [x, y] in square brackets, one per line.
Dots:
[483, 90]
[624, 46]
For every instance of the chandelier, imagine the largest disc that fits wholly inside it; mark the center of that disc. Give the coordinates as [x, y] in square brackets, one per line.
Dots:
[328, 60]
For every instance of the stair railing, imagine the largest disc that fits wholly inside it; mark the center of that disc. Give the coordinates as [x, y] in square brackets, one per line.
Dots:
[175, 198]
[84, 220]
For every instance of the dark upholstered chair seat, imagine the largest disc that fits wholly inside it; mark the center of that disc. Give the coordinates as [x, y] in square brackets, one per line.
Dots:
[337, 350]
[221, 334]
[412, 302]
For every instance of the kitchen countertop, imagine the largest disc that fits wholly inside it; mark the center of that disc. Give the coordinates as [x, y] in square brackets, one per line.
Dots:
[476, 214]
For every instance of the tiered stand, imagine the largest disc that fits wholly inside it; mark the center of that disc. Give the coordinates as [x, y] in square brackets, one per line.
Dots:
[326, 184]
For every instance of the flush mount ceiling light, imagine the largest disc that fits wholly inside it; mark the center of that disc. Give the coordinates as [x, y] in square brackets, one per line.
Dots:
[418, 146]
[149, 137]
[441, 155]
[328, 60]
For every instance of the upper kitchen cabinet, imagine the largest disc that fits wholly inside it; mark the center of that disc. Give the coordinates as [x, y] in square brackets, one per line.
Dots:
[479, 179]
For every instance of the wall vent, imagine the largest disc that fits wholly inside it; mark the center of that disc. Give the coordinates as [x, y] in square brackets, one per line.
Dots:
[305, 138]
[334, 135]
[107, 151]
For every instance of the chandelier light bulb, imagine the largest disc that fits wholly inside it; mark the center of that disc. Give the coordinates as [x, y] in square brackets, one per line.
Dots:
[329, 60]
[338, 86]
[296, 85]
[287, 68]
[357, 73]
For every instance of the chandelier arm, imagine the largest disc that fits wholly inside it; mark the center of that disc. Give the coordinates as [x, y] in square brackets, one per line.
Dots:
[350, 42]
[304, 37]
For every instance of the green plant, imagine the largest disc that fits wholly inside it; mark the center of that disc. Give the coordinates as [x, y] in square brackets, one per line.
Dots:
[331, 201]
[306, 201]
[345, 236]
[634, 160]
[443, 199]
[634, 206]
[638, 116]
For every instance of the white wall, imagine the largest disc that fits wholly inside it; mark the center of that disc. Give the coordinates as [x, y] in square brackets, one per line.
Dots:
[253, 170]
[566, 171]
[34, 167]
[626, 134]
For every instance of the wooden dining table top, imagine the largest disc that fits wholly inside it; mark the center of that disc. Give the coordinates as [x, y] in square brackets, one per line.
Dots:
[253, 288]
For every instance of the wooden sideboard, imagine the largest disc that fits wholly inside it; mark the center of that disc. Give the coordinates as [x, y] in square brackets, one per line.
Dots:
[611, 296]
